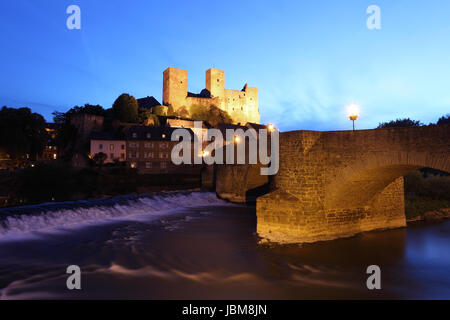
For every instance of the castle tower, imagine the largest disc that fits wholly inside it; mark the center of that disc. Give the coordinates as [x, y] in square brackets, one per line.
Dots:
[215, 82]
[174, 87]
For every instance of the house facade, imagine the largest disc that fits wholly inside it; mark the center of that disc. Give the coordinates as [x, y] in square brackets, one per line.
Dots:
[149, 150]
[111, 144]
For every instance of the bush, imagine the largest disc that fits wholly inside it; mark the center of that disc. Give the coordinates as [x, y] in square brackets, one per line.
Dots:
[212, 114]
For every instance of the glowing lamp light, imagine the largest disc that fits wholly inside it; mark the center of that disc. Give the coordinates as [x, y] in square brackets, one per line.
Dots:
[237, 139]
[205, 153]
[271, 127]
[353, 113]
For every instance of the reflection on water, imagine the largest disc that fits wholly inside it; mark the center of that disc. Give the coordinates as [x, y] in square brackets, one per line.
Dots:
[212, 252]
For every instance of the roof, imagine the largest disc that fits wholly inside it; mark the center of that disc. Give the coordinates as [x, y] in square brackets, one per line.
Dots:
[152, 133]
[203, 94]
[148, 102]
[107, 135]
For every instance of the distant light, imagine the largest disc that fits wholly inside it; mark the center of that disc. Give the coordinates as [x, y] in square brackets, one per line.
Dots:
[271, 127]
[237, 139]
[205, 153]
[353, 111]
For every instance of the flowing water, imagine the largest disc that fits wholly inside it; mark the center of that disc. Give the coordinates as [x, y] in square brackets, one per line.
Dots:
[191, 245]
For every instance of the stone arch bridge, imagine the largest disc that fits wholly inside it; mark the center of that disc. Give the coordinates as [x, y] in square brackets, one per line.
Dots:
[337, 184]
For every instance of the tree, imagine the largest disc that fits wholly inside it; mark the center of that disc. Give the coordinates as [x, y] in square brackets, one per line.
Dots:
[22, 133]
[407, 122]
[100, 158]
[444, 119]
[160, 110]
[212, 114]
[147, 118]
[125, 108]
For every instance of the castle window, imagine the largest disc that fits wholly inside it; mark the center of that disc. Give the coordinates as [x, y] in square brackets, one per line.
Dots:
[148, 165]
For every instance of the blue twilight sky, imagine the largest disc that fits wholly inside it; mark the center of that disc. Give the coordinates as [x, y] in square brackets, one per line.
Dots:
[308, 58]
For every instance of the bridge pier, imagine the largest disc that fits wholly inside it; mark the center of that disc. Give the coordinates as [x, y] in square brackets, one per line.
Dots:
[282, 218]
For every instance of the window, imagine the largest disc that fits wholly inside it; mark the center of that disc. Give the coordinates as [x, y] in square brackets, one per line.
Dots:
[163, 155]
[100, 146]
[134, 135]
[163, 164]
[148, 154]
[111, 147]
[133, 154]
[111, 155]
[148, 145]
[148, 165]
[132, 144]
[163, 145]
[54, 156]
[122, 147]
[148, 135]
[122, 156]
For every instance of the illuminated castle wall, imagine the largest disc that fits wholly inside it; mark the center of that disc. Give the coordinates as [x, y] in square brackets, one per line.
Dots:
[241, 105]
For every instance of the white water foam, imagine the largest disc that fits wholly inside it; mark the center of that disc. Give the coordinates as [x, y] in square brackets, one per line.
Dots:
[51, 217]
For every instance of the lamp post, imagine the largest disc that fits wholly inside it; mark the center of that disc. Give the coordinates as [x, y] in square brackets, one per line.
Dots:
[353, 113]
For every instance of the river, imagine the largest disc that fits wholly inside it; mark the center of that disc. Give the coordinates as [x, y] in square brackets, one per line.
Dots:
[191, 245]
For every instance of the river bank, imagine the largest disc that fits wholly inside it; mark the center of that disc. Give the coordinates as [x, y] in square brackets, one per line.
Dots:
[435, 215]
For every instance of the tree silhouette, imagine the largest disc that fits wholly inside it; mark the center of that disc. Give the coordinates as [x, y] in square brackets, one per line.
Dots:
[125, 108]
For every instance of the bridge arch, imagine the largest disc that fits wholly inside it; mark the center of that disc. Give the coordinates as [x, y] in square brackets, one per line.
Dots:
[356, 184]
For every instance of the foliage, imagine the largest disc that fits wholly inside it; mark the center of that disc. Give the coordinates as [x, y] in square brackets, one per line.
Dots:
[182, 112]
[100, 158]
[428, 186]
[146, 117]
[444, 119]
[22, 133]
[407, 122]
[425, 191]
[170, 111]
[212, 114]
[160, 110]
[125, 108]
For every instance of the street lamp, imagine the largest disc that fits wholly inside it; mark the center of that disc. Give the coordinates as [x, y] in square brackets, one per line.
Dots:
[271, 127]
[353, 113]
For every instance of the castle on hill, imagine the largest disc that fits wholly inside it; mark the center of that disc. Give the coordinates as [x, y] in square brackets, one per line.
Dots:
[241, 105]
